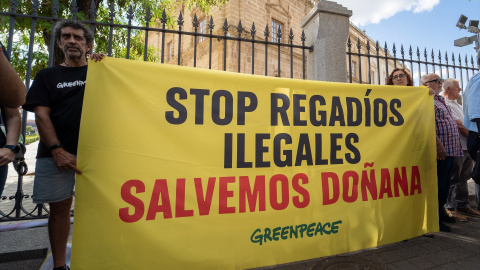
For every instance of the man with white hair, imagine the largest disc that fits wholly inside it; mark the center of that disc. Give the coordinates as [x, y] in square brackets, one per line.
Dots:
[448, 145]
[462, 166]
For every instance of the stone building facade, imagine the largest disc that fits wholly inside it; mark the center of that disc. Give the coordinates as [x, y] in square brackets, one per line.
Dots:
[276, 14]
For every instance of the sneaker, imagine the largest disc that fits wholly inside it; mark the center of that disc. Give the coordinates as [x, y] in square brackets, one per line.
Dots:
[469, 211]
[446, 218]
[455, 214]
[444, 228]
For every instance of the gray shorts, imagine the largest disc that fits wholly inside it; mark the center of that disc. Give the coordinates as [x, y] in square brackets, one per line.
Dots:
[51, 184]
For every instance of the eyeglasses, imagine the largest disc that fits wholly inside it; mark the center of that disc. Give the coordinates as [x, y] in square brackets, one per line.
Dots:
[399, 76]
[436, 80]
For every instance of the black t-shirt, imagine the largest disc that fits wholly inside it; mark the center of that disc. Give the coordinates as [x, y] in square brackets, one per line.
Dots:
[61, 89]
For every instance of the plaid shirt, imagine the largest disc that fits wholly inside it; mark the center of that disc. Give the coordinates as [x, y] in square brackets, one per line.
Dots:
[447, 128]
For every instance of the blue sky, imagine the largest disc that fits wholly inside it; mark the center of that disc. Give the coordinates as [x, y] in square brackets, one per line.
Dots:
[429, 24]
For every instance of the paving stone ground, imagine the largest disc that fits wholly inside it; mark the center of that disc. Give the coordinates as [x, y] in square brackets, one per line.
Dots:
[459, 249]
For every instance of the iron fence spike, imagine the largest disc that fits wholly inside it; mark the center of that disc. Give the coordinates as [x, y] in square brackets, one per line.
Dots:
[211, 25]
[130, 15]
[112, 11]
[35, 5]
[163, 20]
[74, 9]
[240, 28]
[195, 22]
[225, 26]
[13, 6]
[93, 10]
[180, 19]
[55, 8]
[148, 16]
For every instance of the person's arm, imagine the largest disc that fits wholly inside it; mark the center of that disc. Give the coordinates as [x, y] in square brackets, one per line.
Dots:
[12, 89]
[63, 159]
[13, 126]
[461, 128]
[441, 152]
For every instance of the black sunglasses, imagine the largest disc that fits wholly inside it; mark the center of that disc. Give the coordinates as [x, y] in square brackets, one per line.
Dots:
[436, 80]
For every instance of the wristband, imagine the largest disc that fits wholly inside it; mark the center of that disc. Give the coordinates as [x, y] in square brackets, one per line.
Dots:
[15, 148]
[55, 146]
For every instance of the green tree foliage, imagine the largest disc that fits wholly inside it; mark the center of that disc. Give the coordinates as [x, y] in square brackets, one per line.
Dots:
[30, 129]
[43, 29]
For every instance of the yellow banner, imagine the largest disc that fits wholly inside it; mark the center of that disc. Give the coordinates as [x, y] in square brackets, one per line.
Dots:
[188, 168]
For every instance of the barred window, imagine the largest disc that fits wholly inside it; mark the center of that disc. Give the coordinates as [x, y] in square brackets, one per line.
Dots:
[277, 27]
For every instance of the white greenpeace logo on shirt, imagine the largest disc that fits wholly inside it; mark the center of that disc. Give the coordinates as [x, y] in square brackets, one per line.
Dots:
[71, 84]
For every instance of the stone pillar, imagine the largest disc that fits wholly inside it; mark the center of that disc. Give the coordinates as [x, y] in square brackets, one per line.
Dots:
[326, 28]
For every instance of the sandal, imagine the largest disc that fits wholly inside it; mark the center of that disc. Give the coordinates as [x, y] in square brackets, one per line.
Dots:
[469, 211]
[455, 214]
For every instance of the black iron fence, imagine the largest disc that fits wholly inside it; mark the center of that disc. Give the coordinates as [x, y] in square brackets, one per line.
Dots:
[371, 63]
[130, 41]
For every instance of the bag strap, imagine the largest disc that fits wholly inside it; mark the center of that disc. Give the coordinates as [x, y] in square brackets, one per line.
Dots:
[478, 128]
[3, 138]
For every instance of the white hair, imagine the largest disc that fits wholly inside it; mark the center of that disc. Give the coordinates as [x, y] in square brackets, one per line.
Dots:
[448, 83]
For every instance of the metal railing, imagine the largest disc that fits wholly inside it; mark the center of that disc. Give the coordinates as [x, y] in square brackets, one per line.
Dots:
[231, 34]
[378, 59]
